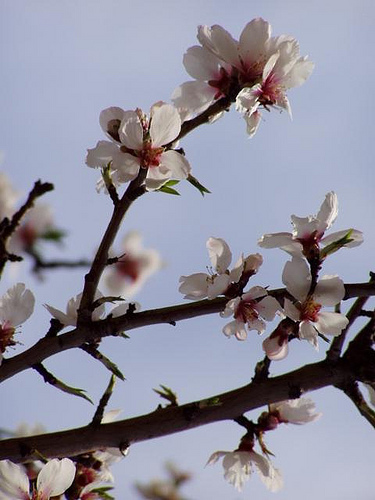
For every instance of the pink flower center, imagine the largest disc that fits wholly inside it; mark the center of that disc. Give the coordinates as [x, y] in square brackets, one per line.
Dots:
[149, 156]
[310, 310]
[27, 235]
[6, 333]
[251, 73]
[246, 311]
[128, 267]
[270, 91]
[221, 83]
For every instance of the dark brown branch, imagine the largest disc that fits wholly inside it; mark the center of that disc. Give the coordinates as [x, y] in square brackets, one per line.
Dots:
[93, 332]
[352, 391]
[174, 419]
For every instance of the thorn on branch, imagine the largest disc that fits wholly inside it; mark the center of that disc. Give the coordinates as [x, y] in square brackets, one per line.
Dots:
[98, 416]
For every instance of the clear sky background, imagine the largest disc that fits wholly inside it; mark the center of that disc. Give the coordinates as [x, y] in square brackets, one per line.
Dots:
[62, 63]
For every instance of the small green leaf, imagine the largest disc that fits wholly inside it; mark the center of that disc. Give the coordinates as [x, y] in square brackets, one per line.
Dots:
[71, 390]
[53, 234]
[168, 394]
[194, 182]
[168, 190]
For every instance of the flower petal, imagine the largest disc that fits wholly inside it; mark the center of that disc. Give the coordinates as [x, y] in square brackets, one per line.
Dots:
[55, 477]
[165, 125]
[219, 253]
[17, 305]
[297, 278]
[131, 131]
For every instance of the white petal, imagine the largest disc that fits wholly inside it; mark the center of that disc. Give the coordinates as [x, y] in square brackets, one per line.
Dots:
[355, 235]
[307, 331]
[237, 328]
[331, 323]
[131, 131]
[101, 155]
[291, 310]
[194, 286]
[17, 304]
[109, 115]
[253, 39]
[329, 291]
[201, 64]
[55, 477]
[230, 307]
[328, 210]
[274, 349]
[268, 307]
[60, 316]
[296, 411]
[237, 468]
[221, 43]
[297, 278]
[127, 167]
[219, 253]
[165, 125]
[14, 483]
[299, 73]
[193, 97]
[254, 293]
[217, 285]
[247, 100]
[176, 163]
[275, 240]
[252, 123]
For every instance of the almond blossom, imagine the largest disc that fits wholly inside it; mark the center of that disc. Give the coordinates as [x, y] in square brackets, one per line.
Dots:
[295, 411]
[133, 268]
[329, 291]
[239, 465]
[254, 71]
[308, 232]
[53, 480]
[16, 306]
[200, 285]
[138, 141]
[69, 318]
[249, 312]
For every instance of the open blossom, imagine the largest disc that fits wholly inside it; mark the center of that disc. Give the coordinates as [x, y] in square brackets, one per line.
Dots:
[256, 70]
[16, 306]
[133, 268]
[70, 316]
[200, 285]
[140, 142]
[308, 232]
[295, 411]
[239, 465]
[329, 291]
[53, 480]
[249, 311]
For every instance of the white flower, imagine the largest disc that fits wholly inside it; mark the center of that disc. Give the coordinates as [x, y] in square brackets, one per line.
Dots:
[55, 478]
[8, 197]
[70, 316]
[257, 68]
[295, 411]
[276, 347]
[248, 312]
[37, 222]
[200, 285]
[308, 232]
[238, 467]
[16, 306]
[140, 142]
[329, 291]
[136, 265]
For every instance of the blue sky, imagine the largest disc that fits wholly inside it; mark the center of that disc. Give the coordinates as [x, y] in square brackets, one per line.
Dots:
[65, 61]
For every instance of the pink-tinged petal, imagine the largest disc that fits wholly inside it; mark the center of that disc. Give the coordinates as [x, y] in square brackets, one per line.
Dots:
[165, 125]
[219, 253]
[288, 54]
[270, 64]
[177, 165]
[328, 211]
[308, 331]
[283, 103]
[291, 311]
[131, 131]
[268, 307]
[193, 97]
[201, 64]
[254, 293]
[355, 235]
[17, 305]
[127, 167]
[109, 119]
[237, 328]
[14, 483]
[55, 477]
[253, 40]
[221, 43]
[256, 324]
[331, 323]
[218, 285]
[297, 278]
[274, 350]
[329, 291]
[230, 307]
[194, 286]
[252, 123]
[101, 155]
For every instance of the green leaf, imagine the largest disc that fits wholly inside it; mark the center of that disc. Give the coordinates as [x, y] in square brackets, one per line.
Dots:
[168, 394]
[71, 390]
[194, 182]
[168, 190]
[53, 234]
